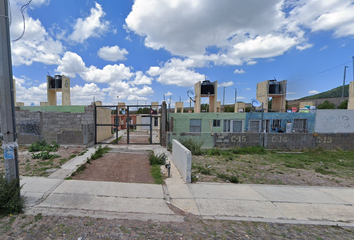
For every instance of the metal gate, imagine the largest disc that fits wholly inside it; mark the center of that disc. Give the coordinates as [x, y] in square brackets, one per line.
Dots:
[114, 126]
[146, 124]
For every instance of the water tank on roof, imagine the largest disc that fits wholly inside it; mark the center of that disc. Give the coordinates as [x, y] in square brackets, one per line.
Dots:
[207, 88]
[274, 87]
[58, 81]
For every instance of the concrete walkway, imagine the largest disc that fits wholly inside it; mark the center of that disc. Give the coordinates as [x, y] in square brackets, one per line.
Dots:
[282, 204]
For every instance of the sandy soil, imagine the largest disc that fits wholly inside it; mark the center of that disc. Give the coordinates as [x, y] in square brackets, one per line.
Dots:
[117, 166]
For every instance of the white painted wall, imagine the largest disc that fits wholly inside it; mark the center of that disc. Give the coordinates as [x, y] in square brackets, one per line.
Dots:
[182, 159]
[334, 121]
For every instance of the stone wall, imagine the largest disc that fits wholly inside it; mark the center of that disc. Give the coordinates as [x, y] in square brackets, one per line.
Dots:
[286, 141]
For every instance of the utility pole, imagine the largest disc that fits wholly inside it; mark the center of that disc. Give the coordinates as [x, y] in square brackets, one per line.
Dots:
[8, 122]
[345, 68]
[223, 98]
[235, 95]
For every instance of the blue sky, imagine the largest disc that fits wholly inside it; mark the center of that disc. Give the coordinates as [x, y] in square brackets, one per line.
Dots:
[138, 51]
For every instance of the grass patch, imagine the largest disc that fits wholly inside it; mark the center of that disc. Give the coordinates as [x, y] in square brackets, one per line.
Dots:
[99, 152]
[115, 140]
[62, 161]
[230, 178]
[156, 160]
[44, 155]
[72, 156]
[83, 152]
[11, 202]
[41, 145]
[156, 174]
[195, 146]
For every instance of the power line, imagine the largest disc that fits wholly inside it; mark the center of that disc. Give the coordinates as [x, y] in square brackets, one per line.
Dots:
[23, 8]
[315, 74]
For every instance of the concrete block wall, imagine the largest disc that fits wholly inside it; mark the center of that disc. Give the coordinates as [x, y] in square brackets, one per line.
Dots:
[286, 141]
[237, 139]
[62, 127]
[182, 159]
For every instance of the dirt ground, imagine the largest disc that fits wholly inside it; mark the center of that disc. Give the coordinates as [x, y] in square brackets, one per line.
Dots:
[38, 167]
[117, 166]
[254, 171]
[39, 227]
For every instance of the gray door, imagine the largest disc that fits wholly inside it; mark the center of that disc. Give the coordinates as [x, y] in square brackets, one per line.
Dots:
[145, 120]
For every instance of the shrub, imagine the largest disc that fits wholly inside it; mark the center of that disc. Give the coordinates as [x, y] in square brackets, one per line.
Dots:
[41, 145]
[156, 160]
[99, 152]
[195, 146]
[44, 156]
[11, 202]
[231, 178]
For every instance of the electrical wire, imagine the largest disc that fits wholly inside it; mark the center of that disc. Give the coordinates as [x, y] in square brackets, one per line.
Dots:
[23, 8]
[315, 74]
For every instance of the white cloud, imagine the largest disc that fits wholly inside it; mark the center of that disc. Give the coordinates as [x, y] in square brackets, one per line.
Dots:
[313, 92]
[71, 64]
[323, 48]
[251, 62]
[113, 53]
[83, 95]
[177, 72]
[305, 46]
[239, 71]
[91, 26]
[226, 84]
[141, 79]
[168, 93]
[117, 76]
[248, 89]
[36, 45]
[240, 31]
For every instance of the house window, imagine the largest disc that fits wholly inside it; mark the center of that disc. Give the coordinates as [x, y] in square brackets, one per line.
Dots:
[276, 124]
[195, 125]
[156, 121]
[232, 126]
[216, 123]
[226, 126]
[254, 125]
[300, 125]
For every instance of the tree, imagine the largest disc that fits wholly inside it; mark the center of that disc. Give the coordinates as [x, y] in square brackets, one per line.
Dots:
[228, 108]
[326, 105]
[204, 107]
[143, 111]
[343, 105]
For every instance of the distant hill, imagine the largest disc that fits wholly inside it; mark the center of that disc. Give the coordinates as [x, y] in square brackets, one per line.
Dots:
[333, 93]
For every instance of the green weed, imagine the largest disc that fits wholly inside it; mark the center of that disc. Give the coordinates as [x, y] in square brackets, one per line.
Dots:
[195, 146]
[11, 202]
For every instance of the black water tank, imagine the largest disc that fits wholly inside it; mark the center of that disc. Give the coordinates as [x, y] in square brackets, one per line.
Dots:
[58, 81]
[52, 83]
[274, 87]
[207, 88]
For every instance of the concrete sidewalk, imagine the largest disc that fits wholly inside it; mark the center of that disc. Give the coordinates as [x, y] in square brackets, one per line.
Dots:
[281, 204]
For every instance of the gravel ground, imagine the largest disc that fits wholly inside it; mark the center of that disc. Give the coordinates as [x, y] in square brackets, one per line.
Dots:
[54, 227]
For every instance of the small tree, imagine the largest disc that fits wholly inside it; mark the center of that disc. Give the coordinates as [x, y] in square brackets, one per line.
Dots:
[326, 105]
[229, 108]
[343, 105]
